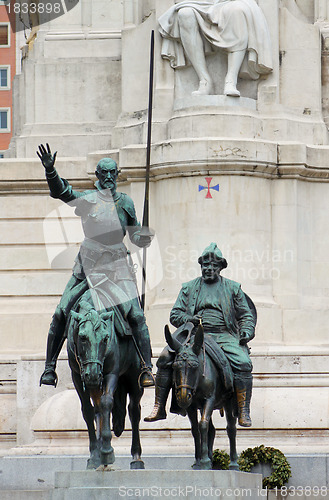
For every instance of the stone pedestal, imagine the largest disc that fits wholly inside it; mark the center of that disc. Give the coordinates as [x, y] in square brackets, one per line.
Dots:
[84, 90]
[152, 484]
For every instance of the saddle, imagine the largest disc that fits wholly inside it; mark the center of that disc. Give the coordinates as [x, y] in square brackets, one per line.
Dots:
[215, 352]
[108, 296]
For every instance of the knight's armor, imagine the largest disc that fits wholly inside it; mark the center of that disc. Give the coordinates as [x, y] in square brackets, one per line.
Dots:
[105, 221]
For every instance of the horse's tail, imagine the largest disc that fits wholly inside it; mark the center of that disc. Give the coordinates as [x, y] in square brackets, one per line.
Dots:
[119, 409]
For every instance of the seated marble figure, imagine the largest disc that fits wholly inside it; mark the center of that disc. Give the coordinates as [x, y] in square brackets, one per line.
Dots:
[192, 29]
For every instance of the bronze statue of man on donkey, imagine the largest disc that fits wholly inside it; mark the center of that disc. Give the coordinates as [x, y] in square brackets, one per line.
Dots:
[228, 317]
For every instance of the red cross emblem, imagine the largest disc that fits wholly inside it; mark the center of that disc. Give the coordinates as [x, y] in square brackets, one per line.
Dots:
[208, 187]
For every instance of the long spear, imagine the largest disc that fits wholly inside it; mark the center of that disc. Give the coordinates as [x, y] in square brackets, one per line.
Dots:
[145, 229]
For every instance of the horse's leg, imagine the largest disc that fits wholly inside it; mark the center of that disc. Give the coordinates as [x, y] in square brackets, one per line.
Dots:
[193, 416]
[211, 438]
[231, 432]
[106, 405]
[88, 414]
[205, 462]
[134, 409]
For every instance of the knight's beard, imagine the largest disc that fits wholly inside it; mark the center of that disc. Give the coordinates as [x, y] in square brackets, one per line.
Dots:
[111, 185]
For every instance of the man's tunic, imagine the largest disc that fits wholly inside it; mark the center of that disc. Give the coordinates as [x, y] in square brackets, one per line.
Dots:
[225, 315]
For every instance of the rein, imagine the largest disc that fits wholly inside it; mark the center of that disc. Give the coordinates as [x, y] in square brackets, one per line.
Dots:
[184, 385]
[87, 362]
[90, 361]
[82, 364]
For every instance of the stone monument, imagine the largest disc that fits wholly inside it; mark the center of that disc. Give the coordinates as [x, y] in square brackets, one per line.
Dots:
[249, 172]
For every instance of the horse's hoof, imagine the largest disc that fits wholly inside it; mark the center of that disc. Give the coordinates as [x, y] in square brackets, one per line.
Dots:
[196, 466]
[205, 465]
[137, 464]
[233, 466]
[93, 464]
[107, 458]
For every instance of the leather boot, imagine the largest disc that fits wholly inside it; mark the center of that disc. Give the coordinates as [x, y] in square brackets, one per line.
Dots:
[162, 388]
[243, 388]
[55, 343]
[49, 375]
[142, 338]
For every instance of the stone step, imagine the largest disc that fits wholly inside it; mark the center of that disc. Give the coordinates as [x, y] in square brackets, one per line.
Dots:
[116, 484]
[37, 472]
[25, 495]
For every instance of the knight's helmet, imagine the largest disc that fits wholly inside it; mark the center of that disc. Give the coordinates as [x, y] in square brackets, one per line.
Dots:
[212, 251]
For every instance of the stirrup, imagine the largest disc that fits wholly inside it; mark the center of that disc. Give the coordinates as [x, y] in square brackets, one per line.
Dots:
[146, 378]
[49, 377]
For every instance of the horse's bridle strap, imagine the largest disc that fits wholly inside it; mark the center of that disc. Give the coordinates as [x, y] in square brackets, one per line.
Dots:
[91, 361]
[185, 386]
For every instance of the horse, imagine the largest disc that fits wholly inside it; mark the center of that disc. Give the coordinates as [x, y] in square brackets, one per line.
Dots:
[197, 385]
[105, 369]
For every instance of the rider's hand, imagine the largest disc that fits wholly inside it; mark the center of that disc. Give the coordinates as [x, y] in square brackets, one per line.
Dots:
[145, 236]
[145, 240]
[244, 338]
[196, 319]
[47, 160]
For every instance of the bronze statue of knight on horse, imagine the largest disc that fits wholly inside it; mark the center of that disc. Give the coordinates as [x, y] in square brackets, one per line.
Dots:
[99, 312]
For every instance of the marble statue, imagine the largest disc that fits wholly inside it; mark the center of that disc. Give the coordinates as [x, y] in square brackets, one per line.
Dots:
[191, 29]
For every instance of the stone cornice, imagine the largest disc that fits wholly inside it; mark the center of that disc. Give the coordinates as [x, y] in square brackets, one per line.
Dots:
[215, 156]
[178, 158]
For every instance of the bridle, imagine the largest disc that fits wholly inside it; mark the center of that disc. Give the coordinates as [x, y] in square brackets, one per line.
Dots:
[184, 358]
[83, 364]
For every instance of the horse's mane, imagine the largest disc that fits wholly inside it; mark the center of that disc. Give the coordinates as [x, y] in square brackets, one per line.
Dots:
[90, 313]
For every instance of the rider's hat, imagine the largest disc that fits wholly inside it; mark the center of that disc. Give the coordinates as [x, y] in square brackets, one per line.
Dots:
[212, 251]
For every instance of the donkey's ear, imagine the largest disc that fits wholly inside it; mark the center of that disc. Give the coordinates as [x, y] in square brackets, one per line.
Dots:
[198, 340]
[76, 316]
[173, 343]
[106, 315]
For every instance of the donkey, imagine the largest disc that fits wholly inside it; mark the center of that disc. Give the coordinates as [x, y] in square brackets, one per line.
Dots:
[198, 385]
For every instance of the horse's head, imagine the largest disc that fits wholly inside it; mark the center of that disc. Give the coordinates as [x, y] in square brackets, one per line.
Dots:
[186, 365]
[91, 342]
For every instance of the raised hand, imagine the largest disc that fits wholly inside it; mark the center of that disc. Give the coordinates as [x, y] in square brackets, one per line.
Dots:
[46, 157]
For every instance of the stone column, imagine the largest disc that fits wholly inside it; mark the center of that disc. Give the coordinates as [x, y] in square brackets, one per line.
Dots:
[321, 10]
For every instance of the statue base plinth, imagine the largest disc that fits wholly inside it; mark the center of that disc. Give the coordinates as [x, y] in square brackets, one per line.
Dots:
[212, 101]
[81, 485]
